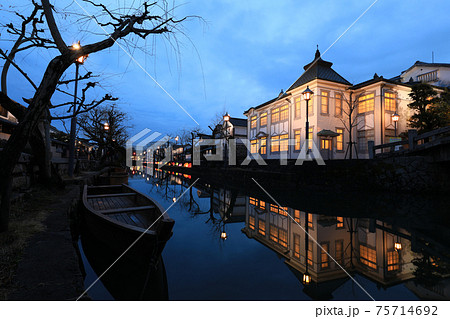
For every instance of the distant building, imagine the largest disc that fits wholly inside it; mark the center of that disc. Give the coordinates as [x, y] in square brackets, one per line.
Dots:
[437, 74]
[273, 123]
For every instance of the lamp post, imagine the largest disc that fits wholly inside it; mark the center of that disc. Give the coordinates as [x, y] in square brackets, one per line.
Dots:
[226, 120]
[395, 119]
[223, 234]
[306, 277]
[106, 128]
[307, 94]
[73, 121]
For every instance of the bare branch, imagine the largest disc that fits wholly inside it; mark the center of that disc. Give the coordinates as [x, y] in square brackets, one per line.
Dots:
[18, 68]
[62, 47]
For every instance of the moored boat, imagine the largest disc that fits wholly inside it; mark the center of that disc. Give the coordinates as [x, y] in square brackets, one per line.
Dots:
[122, 217]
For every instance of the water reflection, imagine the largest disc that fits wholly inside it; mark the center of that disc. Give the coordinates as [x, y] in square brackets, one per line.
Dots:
[385, 253]
[129, 278]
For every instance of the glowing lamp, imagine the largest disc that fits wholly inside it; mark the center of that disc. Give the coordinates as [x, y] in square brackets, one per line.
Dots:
[395, 117]
[398, 246]
[306, 279]
[307, 94]
[106, 126]
[174, 199]
[223, 235]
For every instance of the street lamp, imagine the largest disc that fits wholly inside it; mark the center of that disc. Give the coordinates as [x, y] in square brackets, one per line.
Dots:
[106, 126]
[395, 119]
[307, 94]
[73, 121]
[226, 120]
[398, 245]
[223, 235]
[306, 278]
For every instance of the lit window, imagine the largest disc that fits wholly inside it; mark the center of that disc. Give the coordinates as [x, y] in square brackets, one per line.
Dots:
[274, 233]
[310, 221]
[251, 222]
[310, 253]
[324, 103]
[253, 121]
[389, 101]
[338, 104]
[262, 204]
[275, 115]
[252, 201]
[278, 210]
[282, 236]
[275, 144]
[263, 119]
[340, 139]
[368, 256]
[297, 216]
[262, 227]
[254, 146]
[284, 143]
[311, 107]
[298, 107]
[393, 260]
[297, 137]
[339, 222]
[324, 256]
[274, 208]
[325, 144]
[339, 250]
[263, 145]
[296, 246]
[284, 113]
[366, 103]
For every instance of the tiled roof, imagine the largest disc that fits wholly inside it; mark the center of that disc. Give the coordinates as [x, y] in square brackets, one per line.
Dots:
[420, 63]
[238, 122]
[280, 96]
[318, 69]
[378, 79]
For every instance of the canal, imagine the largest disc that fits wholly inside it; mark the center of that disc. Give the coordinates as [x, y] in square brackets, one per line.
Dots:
[229, 244]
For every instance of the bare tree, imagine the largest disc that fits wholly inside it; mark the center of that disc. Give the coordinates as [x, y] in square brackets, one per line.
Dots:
[149, 19]
[92, 124]
[350, 119]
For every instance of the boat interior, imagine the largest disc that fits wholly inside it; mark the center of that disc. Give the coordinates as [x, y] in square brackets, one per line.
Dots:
[122, 204]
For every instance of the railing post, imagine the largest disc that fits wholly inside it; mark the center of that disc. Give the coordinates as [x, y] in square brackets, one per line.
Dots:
[371, 145]
[412, 134]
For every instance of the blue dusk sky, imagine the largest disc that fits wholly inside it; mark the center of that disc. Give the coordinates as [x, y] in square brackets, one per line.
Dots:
[241, 55]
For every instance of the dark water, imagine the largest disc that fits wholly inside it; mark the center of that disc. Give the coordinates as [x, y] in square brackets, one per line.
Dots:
[266, 252]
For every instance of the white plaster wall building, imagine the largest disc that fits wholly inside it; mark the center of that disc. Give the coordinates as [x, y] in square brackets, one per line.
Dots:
[272, 124]
[437, 74]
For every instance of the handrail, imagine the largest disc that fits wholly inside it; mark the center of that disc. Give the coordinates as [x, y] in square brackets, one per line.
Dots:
[392, 144]
[438, 131]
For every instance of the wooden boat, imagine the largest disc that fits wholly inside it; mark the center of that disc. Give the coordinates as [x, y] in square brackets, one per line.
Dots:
[118, 215]
[147, 282]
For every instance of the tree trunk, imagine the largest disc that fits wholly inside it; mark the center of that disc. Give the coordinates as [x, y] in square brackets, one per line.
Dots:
[25, 130]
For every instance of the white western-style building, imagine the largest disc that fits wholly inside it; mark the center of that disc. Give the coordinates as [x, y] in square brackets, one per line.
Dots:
[272, 124]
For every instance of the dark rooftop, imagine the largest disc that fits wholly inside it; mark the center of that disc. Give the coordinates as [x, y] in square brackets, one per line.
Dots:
[420, 63]
[238, 122]
[318, 69]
